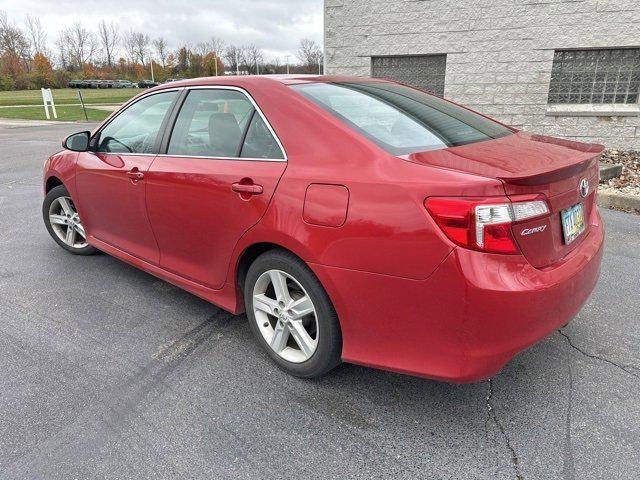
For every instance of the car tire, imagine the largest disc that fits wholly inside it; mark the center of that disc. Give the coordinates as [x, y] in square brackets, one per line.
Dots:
[60, 215]
[300, 281]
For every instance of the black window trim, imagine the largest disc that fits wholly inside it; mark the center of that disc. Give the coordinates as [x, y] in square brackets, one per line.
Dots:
[172, 118]
[158, 143]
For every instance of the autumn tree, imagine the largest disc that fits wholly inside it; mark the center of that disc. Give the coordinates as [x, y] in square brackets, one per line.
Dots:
[170, 63]
[182, 62]
[13, 42]
[212, 65]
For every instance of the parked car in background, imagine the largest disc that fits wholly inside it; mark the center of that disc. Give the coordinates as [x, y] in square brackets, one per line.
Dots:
[106, 84]
[74, 84]
[123, 84]
[169, 80]
[352, 219]
[147, 84]
[82, 84]
[94, 83]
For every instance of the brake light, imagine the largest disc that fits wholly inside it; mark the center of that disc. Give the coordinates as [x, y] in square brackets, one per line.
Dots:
[483, 223]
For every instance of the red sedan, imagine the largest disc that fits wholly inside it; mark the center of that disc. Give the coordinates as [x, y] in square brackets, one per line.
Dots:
[353, 219]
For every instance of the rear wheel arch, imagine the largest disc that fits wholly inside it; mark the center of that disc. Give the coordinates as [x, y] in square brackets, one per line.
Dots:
[251, 253]
[248, 256]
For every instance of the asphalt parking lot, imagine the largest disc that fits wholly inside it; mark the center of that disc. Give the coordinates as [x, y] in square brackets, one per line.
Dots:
[108, 372]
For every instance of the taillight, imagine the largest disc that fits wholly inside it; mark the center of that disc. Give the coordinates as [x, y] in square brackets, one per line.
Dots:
[483, 223]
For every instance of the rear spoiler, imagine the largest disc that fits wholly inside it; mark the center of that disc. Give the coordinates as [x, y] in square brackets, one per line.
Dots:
[549, 176]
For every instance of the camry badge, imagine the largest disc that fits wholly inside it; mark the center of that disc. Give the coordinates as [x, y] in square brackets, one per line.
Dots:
[530, 231]
[584, 187]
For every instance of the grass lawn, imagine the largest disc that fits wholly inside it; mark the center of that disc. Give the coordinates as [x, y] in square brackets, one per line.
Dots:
[68, 95]
[72, 113]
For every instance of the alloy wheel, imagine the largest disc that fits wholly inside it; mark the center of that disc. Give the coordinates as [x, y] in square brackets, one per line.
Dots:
[65, 222]
[286, 316]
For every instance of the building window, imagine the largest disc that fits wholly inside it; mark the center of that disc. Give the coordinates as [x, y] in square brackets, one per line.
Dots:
[422, 71]
[595, 76]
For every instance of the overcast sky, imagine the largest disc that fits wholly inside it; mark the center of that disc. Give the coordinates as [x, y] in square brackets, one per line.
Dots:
[276, 26]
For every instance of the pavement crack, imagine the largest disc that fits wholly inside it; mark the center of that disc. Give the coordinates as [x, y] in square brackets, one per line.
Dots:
[567, 460]
[627, 368]
[492, 415]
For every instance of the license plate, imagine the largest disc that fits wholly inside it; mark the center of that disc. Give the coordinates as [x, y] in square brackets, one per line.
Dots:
[572, 222]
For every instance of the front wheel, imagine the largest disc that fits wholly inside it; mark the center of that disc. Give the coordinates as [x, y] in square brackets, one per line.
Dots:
[63, 222]
[291, 315]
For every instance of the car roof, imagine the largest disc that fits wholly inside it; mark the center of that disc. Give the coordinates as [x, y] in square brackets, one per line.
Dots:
[249, 80]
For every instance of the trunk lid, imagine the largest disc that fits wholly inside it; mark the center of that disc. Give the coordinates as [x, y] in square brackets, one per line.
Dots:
[529, 164]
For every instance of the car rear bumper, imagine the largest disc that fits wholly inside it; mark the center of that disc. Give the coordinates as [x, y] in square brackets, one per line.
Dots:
[469, 318]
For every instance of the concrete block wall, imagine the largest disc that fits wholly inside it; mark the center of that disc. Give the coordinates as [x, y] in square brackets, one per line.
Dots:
[499, 52]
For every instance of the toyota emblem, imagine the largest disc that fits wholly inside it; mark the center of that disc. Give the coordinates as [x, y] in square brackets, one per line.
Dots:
[584, 187]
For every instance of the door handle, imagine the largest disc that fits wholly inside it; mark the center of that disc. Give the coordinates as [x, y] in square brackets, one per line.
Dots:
[135, 174]
[247, 188]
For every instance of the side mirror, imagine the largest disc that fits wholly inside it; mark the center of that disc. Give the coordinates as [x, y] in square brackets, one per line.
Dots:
[77, 142]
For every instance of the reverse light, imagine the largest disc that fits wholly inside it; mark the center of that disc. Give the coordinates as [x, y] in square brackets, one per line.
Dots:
[483, 223]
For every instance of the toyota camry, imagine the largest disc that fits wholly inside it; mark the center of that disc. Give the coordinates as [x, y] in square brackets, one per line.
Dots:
[353, 219]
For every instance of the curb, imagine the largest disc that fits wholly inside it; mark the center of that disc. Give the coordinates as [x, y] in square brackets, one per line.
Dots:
[607, 171]
[618, 200]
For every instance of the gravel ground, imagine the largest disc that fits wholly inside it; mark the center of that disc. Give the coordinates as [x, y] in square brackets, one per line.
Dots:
[629, 181]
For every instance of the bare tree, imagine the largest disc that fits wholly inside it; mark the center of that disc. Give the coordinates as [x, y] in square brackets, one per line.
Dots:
[80, 44]
[232, 56]
[141, 43]
[109, 36]
[130, 47]
[12, 39]
[160, 45]
[63, 55]
[37, 35]
[252, 56]
[201, 49]
[310, 54]
[217, 46]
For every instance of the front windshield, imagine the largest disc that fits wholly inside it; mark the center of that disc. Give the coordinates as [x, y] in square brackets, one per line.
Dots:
[400, 119]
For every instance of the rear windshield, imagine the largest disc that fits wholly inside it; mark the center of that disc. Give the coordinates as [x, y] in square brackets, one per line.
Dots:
[400, 119]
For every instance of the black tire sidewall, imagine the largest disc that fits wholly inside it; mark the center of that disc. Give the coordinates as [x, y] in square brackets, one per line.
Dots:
[57, 192]
[329, 349]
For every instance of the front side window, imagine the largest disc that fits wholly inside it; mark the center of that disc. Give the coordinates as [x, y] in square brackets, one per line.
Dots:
[601, 76]
[400, 119]
[220, 123]
[136, 129]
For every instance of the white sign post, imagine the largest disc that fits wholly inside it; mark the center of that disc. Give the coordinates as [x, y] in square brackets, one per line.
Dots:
[47, 98]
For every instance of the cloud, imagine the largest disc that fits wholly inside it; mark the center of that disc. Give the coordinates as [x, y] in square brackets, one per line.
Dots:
[276, 26]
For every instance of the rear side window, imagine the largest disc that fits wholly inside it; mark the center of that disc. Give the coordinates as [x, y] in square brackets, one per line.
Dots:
[218, 123]
[259, 143]
[135, 130]
[400, 119]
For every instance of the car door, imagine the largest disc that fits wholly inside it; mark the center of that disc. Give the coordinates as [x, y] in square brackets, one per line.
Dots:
[110, 180]
[221, 167]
